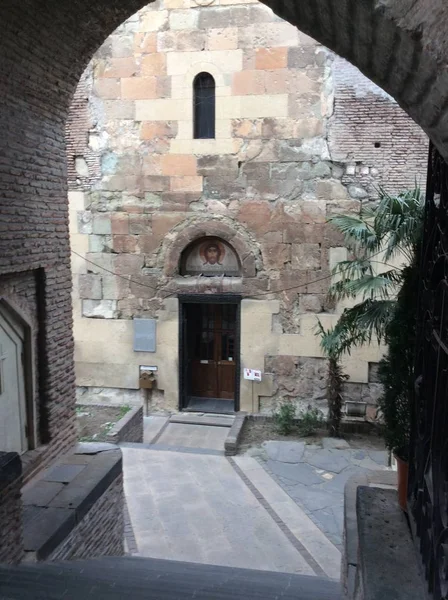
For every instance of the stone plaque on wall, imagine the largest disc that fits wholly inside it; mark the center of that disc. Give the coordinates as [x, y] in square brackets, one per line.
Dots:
[144, 335]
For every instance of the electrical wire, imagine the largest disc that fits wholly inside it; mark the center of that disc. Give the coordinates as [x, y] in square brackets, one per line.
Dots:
[266, 293]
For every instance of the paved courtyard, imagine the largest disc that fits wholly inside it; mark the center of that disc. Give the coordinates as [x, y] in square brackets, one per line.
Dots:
[276, 508]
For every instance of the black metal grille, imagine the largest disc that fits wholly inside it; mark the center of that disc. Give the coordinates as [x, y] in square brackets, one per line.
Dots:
[428, 474]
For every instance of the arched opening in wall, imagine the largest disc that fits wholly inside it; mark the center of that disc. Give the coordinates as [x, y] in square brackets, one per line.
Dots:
[282, 160]
[209, 257]
[16, 405]
[204, 106]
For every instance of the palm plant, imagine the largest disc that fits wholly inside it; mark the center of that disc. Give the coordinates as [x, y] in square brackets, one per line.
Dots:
[393, 229]
[334, 342]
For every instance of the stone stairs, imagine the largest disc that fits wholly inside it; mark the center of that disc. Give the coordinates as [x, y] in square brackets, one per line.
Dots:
[115, 578]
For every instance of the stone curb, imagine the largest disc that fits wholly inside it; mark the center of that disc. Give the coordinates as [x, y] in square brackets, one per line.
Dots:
[234, 435]
[118, 433]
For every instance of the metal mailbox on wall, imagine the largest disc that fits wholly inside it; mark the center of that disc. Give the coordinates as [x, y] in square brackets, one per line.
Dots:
[145, 335]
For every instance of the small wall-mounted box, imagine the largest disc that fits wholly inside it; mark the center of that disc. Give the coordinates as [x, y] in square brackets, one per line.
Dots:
[147, 378]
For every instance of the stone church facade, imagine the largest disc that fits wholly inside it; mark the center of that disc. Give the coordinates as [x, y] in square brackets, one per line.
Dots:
[204, 255]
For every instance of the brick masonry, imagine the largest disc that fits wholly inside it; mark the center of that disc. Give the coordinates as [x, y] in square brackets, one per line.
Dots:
[129, 428]
[11, 540]
[101, 531]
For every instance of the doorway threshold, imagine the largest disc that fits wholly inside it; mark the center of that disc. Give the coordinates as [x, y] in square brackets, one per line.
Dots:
[217, 406]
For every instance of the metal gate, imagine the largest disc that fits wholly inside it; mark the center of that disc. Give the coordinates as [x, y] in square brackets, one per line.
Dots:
[428, 475]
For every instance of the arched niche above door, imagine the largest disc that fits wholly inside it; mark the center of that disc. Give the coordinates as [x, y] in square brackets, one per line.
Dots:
[210, 256]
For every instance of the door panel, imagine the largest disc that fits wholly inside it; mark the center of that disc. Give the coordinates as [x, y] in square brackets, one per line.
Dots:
[211, 330]
[12, 390]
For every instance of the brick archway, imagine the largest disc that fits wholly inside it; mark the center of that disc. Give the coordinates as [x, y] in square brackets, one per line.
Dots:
[45, 45]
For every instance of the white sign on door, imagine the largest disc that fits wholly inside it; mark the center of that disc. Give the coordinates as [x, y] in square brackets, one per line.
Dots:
[252, 374]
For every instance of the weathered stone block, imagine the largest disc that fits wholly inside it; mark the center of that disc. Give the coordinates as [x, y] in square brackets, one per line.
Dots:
[90, 286]
[248, 82]
[107, 89]
[257, 215]
[138, 88]
[275, 256]
[124, 243]
[119, 223]
[303, 233]
[101, 224]
[139, 224]
[114, 288]
[129, 264]
[301, 57]
[158, 129]
[143, 286]
[85, 222]
[314, 149]
[311, 303]
[186, 183]
[270, 35]
[305, 256]
[99, 309]
[153, 65]
[117, 68]
[271, 58]
[181, 41]
[222, 38]
[145, 43]
[318, 281]
[176, 165]
[331, 190]
[100, 243]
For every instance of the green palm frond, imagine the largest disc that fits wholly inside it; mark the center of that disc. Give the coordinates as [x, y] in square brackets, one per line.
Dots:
[392, 228]
[357, 231]
[339, 339]
[367, 320]
[367, 285]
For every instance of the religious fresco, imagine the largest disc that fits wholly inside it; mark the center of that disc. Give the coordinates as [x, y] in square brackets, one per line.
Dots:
[210, 256]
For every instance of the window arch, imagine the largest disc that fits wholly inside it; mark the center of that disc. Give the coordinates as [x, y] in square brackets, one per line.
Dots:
[204, 100]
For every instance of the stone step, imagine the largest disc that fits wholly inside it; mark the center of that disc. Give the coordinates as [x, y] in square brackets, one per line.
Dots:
[203, 419]
[154, 579]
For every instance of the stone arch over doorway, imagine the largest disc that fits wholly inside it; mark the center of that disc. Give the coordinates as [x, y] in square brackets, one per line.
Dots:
[246, 252]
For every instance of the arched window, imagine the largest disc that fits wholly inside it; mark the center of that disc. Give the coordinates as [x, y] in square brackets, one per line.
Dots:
[203, 106]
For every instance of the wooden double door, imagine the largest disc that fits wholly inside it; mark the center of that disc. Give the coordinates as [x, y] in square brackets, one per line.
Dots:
[211, 347]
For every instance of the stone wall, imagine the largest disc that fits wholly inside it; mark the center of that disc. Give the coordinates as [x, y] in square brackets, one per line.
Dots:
[128, 429]
[296, 136]
[11, 541]
[101, 531]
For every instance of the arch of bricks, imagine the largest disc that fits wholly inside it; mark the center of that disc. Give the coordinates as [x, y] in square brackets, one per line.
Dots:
[402, 45]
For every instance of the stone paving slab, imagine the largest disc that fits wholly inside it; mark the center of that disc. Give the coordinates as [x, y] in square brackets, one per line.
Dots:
[194, 436]
[197, 508]
[152, 426]
[315, 476]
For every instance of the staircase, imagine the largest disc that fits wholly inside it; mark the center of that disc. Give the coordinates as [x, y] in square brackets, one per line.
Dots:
[151, 579]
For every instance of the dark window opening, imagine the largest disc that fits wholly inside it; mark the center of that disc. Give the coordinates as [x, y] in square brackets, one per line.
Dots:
[204, 106]
[377, 144]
